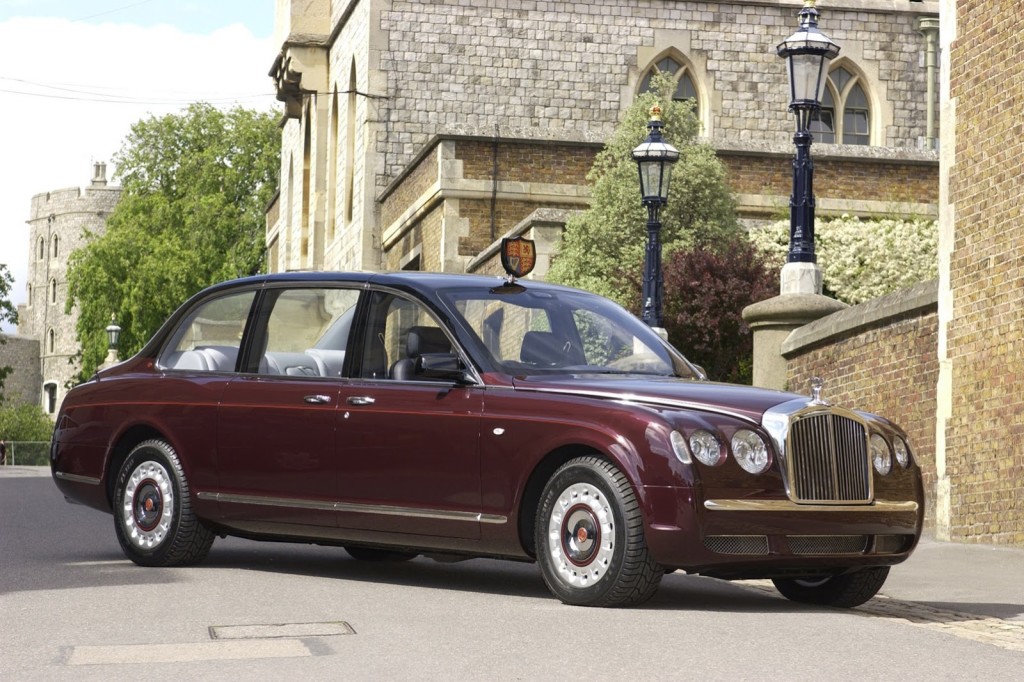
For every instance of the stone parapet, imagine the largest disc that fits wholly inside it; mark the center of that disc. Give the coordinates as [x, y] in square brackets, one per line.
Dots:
[772, 321]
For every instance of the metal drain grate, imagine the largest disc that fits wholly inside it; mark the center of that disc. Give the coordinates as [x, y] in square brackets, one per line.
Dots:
[281, 630]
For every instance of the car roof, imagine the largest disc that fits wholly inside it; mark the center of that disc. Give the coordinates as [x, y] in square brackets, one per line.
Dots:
[415, 280]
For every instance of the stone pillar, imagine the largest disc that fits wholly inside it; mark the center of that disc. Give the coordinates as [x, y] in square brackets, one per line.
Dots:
[771, 322]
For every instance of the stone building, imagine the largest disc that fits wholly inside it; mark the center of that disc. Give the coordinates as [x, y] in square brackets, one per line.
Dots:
[416, 134]
[59, 222]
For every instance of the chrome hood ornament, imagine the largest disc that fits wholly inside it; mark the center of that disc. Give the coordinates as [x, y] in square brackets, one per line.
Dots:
[817, 383]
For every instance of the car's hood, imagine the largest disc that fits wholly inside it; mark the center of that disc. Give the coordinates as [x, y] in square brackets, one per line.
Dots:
[746, 401]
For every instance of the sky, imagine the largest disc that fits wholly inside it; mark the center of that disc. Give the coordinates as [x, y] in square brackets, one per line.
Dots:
[78, 74]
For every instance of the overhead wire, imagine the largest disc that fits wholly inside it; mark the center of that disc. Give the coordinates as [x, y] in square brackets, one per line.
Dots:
[96, 94]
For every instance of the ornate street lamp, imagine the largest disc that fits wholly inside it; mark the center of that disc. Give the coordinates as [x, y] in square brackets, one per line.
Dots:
[113, 332]
[113, 338]
[654, 158]
[808, 53]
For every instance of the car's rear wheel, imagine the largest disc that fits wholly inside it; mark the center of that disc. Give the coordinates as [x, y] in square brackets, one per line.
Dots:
[375, 554]
[590, 538]
[845, 591]
[153, 515]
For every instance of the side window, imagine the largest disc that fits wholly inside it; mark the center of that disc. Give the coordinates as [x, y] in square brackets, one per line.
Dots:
[307, 332]
[399, 330]
[209, 338]
[504, 327]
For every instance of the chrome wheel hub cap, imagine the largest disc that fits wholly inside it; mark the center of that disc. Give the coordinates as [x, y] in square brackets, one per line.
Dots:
[581, 538]
[147, 506]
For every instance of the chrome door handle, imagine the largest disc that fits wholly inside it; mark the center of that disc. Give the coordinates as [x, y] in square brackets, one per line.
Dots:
[318, 399]
[360, 400]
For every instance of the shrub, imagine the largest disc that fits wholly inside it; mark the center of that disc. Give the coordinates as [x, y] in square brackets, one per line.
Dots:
[862, 259]
[706, 290]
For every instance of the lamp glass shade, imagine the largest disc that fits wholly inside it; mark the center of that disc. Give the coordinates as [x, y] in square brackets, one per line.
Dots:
[113, 334]
[807, 75]
[654, 179]
[655, 160]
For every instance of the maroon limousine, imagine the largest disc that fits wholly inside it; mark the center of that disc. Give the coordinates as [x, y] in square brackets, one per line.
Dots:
[400, 414]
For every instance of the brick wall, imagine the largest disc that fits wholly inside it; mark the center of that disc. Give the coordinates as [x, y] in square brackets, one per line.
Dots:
[984, 431]
[411, 187]
[881, 357]
[558, 164]
[507, 215]
[848, 180]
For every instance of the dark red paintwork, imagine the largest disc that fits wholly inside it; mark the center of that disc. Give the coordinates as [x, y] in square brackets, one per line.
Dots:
[471, 455]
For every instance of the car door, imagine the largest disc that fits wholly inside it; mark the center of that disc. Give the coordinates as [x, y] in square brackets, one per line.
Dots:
[408, 448]
[277, 421]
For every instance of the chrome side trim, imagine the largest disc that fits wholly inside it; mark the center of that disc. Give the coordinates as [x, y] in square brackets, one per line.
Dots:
[379, 509]
[877, 507]
[75, 478]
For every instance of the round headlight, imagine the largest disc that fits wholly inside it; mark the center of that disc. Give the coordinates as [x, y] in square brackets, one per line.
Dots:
[706, 448]
[880, 455]
[750, 452]
[902, 452]
[679, 447]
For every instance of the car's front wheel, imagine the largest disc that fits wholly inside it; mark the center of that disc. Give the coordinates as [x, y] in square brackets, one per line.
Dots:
[153, 515]
[844, 591]
[590, 537]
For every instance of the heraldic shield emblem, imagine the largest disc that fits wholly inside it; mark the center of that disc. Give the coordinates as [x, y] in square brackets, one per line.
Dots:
[518, 256]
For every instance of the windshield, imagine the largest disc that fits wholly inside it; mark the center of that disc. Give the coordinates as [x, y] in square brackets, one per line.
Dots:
[526, 332]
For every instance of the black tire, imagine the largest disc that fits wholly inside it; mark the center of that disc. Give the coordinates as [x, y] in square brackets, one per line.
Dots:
[844, 591]
[590, 537]
[153, 515]
[374, 554]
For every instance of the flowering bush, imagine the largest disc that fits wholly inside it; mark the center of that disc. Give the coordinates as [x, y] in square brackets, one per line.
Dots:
[862, 259]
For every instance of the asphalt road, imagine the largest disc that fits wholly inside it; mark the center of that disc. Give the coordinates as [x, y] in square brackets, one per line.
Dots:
[72, 607]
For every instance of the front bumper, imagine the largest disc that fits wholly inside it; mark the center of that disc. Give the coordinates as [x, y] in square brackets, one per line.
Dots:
[760, 538]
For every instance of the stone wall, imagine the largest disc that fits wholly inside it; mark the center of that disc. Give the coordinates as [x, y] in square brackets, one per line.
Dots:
[23, 384]
[981, 400]
[567, 71]
[881, 357]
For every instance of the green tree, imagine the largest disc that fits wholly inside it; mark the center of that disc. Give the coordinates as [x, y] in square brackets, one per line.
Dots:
[603, 247]
[191, 213]
[8, 313]
[25, 423]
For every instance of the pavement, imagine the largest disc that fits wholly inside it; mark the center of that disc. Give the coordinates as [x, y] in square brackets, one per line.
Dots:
[972, 591]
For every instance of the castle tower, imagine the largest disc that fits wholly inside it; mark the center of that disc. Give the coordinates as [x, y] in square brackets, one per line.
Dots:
[58, 225]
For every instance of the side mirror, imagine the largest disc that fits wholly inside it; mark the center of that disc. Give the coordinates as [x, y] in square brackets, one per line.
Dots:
[444, 366]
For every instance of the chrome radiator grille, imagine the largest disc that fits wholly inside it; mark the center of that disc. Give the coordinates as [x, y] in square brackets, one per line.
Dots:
[827, 459]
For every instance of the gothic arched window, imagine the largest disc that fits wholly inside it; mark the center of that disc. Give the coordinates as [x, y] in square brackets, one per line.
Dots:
[683, 75]
[845, 114]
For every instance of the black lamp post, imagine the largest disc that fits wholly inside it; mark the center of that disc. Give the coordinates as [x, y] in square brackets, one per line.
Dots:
[654, 158]
[808, 53]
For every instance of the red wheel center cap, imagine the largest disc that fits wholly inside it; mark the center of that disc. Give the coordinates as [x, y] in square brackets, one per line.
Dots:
[581, 535]
[149, 505]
